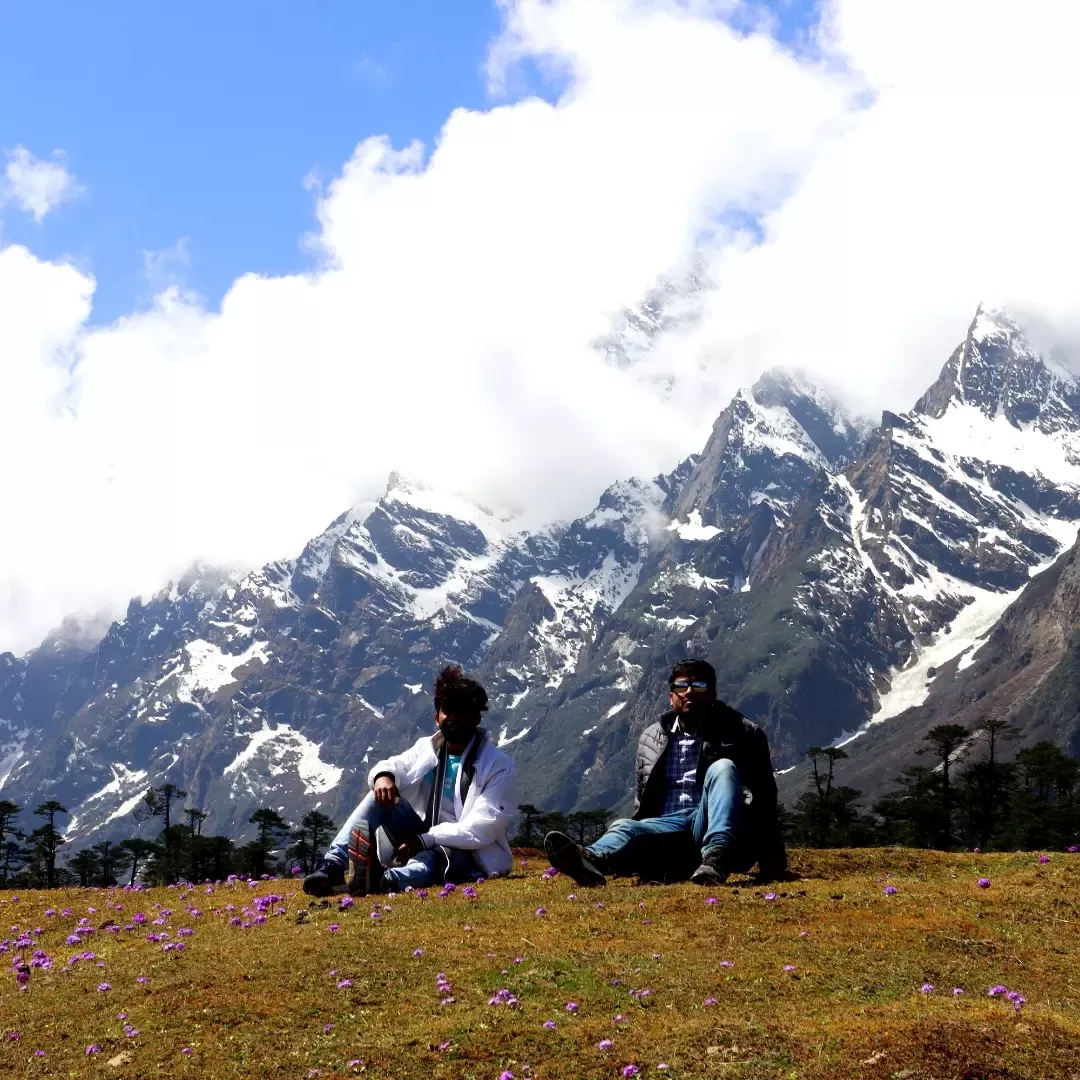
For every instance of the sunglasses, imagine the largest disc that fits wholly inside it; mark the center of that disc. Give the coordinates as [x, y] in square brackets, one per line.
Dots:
[680, 686]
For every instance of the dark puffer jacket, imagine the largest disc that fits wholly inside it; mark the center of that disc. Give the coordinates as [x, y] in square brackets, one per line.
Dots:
[725, 733]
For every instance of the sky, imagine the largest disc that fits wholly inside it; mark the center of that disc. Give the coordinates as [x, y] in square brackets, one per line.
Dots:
[252, 259]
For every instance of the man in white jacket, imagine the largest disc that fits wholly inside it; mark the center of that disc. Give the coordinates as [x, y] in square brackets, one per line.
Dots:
[438, 812]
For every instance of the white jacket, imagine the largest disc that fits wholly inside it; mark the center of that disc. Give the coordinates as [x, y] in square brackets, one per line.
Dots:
[482, 820]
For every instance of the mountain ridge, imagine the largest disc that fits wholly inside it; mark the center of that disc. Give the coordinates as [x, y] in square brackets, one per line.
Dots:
[823, 565]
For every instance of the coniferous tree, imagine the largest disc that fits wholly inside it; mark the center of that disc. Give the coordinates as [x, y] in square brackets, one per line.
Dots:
[271, 828]
[158, 802]
[139, 852]
[11, 837]
[529, 814]
[315, 831]
[47, 839]
[86, 866]
[945, 741]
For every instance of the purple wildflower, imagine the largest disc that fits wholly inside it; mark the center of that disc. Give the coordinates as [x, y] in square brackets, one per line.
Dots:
[709, 1001]
[995, 991]
[327, 1028]
[770, 896]
[957, 991]
[1044, 858]
[711, 900]
[571, 1006]
[890, 890]
[630, 1070]
[344, 984]
[93, 1048]
[550, 1025]
[418, 952]
[789, 967]
[541, 911]
[333, 927]
[983, 883]
[604, 1044]
[927, 988]
[345, 903]
[102, 987]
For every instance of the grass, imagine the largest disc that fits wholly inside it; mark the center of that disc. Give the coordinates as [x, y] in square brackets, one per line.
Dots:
[254, 1002]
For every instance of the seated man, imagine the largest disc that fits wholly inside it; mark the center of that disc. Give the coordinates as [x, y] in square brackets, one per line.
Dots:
[705, 795]
[444, 806]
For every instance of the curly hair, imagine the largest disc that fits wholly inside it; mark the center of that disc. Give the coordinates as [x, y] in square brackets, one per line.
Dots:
[458, 695]
[694, 669]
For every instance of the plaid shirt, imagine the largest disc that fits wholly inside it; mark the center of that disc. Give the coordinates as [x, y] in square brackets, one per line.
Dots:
[682, 791]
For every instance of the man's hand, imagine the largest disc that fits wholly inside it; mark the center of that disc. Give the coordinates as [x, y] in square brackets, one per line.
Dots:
[408, 849]
[386, 790]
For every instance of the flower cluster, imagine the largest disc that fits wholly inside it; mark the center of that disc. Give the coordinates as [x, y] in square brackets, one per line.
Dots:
[1013, 996]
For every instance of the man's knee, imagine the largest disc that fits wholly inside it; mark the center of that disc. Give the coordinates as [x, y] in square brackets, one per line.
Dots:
[723, 770]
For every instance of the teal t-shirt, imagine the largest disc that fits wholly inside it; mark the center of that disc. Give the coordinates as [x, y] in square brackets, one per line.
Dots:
[447, 809]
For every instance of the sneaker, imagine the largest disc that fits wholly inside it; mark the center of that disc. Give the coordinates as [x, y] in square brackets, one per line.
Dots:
[572, 859]
[367, 871]
[713, 869]
[327, 880]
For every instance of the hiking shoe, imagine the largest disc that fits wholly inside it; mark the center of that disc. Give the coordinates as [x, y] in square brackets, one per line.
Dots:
[571, 859]
[713, 869]
[367, 871]
[327, 880]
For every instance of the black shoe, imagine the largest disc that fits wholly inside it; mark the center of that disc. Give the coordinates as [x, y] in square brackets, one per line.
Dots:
[571, 859]
[713, 869]
[327, 880]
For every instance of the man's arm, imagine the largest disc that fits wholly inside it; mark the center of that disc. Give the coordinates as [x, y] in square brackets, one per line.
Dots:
[487, 818]
[400, 766]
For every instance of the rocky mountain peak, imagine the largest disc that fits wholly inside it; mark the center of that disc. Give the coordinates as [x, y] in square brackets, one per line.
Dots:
[999, 372]
[765, 447]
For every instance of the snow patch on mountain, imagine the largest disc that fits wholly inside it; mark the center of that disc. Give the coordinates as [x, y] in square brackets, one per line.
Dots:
[127, 784]
[208, 668]
[693, 528]
[11, 753]
[276, 751]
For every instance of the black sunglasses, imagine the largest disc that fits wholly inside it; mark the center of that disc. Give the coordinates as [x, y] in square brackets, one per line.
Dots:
[680, 686]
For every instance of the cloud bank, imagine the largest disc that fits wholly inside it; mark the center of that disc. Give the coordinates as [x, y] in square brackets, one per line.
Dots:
[915, 160]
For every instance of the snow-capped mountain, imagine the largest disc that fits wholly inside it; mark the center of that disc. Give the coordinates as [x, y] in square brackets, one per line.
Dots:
[829, 570]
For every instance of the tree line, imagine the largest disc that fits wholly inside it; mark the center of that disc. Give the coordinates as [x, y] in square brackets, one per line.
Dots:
[970, 796]
[181, 851]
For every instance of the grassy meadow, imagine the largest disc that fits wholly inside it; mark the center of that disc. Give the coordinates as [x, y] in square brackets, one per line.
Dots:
[531, 977]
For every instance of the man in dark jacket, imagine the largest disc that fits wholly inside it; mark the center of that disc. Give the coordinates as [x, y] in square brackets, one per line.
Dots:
[705, 796]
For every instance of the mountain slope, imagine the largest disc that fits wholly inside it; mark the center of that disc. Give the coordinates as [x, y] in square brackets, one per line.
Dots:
[836, 576]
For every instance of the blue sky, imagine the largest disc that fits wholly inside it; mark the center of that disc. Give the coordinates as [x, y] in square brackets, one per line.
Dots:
[200, 120]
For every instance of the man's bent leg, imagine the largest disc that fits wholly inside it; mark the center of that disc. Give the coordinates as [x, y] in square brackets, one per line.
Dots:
[423, 869]
[716, 820]
[625, 847]
[401, 819]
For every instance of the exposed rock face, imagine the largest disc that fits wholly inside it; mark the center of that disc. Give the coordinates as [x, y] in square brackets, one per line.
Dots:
[836, 576]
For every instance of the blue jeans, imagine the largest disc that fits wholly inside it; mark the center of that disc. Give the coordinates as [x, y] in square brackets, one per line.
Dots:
[425, 868]
[628, 846]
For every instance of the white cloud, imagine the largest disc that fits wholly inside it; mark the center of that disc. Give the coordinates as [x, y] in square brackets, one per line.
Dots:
[36, 186]
[920, 163]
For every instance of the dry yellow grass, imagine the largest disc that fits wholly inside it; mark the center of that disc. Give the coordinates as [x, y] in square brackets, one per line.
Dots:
[255, 1001]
